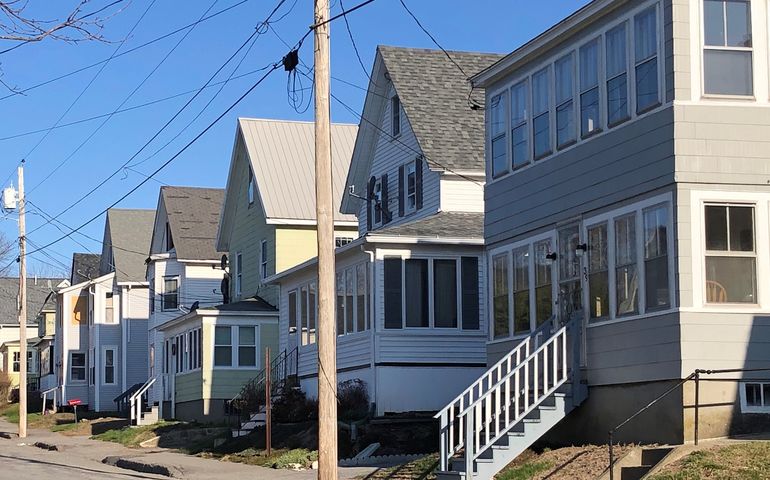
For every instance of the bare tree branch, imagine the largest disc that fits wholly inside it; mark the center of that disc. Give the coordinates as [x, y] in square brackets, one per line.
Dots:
[7, 251]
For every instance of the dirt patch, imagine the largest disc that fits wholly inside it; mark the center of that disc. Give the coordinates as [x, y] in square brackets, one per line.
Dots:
[570, 463]
[743, 461]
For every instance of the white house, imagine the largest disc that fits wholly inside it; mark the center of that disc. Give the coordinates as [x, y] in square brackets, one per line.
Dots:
[410, 322]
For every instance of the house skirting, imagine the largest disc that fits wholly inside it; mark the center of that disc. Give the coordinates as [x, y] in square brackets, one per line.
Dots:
[204, 410]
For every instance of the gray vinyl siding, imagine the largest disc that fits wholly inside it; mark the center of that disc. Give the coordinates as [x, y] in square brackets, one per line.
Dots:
[627, 161]
[137, 352]
[109, 336]
[677, 49]
[389, 154]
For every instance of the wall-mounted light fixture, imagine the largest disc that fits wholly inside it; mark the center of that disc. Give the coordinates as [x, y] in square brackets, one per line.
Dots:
[551, 257]
[581, 249]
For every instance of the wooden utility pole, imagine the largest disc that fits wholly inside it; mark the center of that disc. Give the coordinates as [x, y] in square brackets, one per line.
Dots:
[327, 336]
[22, 309]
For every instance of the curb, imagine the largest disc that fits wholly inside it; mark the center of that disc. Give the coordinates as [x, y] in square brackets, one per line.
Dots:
[142, 467]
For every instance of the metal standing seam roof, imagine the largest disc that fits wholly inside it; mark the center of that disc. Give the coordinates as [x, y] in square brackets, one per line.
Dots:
[193, 216]
[282, 155]
[434, 95]
[39, 297]
[130, 234]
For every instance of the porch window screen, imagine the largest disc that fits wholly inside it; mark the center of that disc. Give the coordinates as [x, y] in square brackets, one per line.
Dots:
[731, 263]
[77, 367]
[598, 272]
[223, 347]
[469, 267]
[565, 105]
[170, 294]
[501, 305]
[340, 310]
[416, 292]
[543, 288]
[727, 53]
[617, 75]
[656, 258]
[445, 293]
[303, 315]
[349, 301]
[361, 290]
[521, 315]
[247, 347]
[312, 308]
[498, 145]
[626, 271]
[393, 312]
[589, 88]
[646, 59]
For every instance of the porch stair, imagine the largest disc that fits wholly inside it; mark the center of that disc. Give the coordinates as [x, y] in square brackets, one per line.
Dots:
[140, 411]
[512, 405]
[639, 463]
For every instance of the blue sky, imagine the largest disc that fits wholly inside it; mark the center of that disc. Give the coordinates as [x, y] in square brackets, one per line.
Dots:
[479, 25]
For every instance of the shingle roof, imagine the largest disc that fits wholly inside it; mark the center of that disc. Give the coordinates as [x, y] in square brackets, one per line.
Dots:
[130, 235]
[85, 266]
[253, 304]
[440, 225]
[193, 215]
[283, 160]
[434, 96]
[38, 298]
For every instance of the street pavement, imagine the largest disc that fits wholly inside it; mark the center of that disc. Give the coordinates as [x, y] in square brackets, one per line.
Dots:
[81, 458]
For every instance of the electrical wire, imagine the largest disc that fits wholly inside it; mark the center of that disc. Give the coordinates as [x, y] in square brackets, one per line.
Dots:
[353, 42]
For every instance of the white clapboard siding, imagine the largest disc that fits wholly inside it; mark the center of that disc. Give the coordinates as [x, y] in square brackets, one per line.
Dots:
[461, 195]
[431, 347]
[352, 351]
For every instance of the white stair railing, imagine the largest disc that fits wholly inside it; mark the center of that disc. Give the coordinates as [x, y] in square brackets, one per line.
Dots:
[135, 402]
[501, 398]
[45, 398]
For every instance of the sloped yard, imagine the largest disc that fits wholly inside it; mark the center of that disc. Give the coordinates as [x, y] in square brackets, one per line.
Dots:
[742, 461]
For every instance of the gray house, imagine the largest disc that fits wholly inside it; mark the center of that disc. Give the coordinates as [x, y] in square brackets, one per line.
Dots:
[626, 209]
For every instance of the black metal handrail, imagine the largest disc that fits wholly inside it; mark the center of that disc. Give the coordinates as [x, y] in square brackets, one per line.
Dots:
[695, 376]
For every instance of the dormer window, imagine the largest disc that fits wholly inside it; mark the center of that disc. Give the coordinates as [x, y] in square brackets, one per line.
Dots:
[250, 189]
[377, 202]
[169, 238]
[395, 107]
[727, 49]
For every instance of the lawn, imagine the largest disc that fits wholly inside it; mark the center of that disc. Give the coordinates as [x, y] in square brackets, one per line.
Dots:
[743, 461]
[134, 436]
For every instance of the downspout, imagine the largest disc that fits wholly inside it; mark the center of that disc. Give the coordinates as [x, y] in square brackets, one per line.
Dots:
[125, 304]
[372, 319]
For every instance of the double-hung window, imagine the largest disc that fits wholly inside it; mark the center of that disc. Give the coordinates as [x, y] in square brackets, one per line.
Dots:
[108, 373]
[223, 346]
[498, 147]
[247, 346]
[589, 88]
[263, 259]
[626, 267]
[519, 125]
[16, 361]
[77, 367]
[109, 311]
[727, 49]
[541, 122]
[410, 187]
[598, 272]
[500, 302]
[646, 59]
[565, 105]
[656, 283]
[617, 74]
[170, 294]
[731, 259]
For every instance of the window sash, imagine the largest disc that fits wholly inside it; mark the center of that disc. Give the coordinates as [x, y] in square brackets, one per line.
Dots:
[500, 297]
[223, 346]
[395, 105]
[170, 299]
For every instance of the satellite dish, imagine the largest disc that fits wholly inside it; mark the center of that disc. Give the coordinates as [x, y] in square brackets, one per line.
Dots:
[223, 262]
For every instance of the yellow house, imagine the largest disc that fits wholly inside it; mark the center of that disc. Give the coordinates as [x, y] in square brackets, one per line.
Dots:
[12, 362]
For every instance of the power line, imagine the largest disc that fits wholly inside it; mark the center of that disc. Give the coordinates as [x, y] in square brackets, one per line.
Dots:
[131, 50]
[353, 42]
[125, 100]
[257, 31]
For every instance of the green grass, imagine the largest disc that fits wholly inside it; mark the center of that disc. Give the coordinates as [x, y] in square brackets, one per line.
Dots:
[298, 456]
[131, 436]
[11, 413]
[525, 471]
[64, 427]
[745, 461]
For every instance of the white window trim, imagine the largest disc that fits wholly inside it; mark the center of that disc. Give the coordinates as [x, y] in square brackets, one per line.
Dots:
[234, 334]
[377, 199]
[114, 349]
[549, 62]
[114, 319]
[178, 293]
[745, 408]
[409, 167]
[84, 367]
[263, 253]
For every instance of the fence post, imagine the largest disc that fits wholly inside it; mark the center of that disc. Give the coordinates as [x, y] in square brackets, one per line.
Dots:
[443, 441]
[612, 458]
[697, 404]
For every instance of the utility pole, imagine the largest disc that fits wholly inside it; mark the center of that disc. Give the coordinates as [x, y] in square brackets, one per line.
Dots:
[327, 336]
[22, 309]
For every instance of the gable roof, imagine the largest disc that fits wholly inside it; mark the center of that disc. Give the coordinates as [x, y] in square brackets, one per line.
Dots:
[434, 95]
[193, 216]
[40, 296]
[85, 266]
[128, 232]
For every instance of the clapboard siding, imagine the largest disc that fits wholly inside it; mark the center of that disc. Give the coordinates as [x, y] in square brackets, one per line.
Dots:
[188, 386]
[389, 154]
[199, 284]
[160, 270]
[623, 163]
[431, 348]
[352, 351]
[462, 195]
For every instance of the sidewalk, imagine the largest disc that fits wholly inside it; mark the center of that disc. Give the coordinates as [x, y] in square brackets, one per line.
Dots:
[88, 455]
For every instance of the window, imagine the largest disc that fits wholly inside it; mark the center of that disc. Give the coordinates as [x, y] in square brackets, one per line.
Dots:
[543, 289]
[589, 88]
[16, 362]
[170, 294]
[626, 272]
[342, 241]
[292, 313]
[77, 367]
[31, 361]
[500, 303]
[393, 279]
[223, 347]
[617, 75]
[445, 293]
[656, 258]
[565, 106]
[395, 112]
[108, 374]
[169, 238]
[519, 125]
[731, 275]
[238, 273]
[541, 123]
[247, 346]
[263, 259]
[152, 295]
[250, 189]
[521, 315]
[727, 51]
[416, 292]
[109, 311]
[362, 276]
[469, 271]
[755, 397]
[410, 187]
[339, 284]
[646, 59]
[377, 202]
[497, 134]
[598, 272]
[350, 311]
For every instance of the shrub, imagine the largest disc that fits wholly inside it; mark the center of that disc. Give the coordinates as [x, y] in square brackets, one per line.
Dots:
[353, 397]
[5, 387]
[303, 458]
[294, 406]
